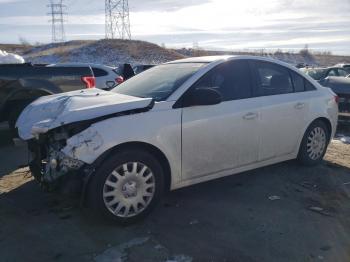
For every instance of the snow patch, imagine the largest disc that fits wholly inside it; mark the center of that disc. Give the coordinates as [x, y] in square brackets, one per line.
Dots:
[119, 253]
[10, 58]
[342, 138]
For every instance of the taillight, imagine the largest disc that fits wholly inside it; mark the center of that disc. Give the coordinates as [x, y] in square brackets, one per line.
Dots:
[119, 79]
[89, 81]
[336, 99]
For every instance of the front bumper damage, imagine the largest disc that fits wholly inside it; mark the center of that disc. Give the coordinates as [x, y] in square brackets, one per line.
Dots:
[51, 167]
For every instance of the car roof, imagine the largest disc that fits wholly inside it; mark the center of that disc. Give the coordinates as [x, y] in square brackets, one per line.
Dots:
[81, 64]
[202, 59]
[223, 58]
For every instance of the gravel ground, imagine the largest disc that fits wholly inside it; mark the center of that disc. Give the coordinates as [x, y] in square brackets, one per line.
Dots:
[283, 212]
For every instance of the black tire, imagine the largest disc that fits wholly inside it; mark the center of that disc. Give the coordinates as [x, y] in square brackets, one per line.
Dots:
[304, 156]
[96, 186]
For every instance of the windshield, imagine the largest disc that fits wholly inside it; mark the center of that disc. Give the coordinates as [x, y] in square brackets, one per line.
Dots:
[158, 82]
[316, 74]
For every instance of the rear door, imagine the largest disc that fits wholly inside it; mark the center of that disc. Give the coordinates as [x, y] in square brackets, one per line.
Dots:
[283, 111]
[218, 138]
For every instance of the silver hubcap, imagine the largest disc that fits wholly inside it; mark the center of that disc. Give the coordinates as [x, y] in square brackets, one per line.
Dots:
[129, 189]
[316, 143]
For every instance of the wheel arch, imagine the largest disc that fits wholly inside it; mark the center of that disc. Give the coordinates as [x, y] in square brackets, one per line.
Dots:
[325, 120]
[155, 151]
[328, 124]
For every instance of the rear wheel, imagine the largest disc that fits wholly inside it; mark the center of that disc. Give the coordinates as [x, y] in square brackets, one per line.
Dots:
[314, 144]
[127, 186]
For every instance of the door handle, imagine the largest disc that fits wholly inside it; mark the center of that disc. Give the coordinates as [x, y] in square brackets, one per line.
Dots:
[299, 106]
[250, 116]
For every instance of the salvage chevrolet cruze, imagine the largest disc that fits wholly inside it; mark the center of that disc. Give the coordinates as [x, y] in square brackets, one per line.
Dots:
[176, 125]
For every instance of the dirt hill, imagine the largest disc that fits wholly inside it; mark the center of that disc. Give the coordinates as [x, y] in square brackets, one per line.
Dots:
[108, 52]
[304, 56]
[113, 52]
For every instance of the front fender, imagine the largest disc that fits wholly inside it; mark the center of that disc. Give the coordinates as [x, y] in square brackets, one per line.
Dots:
[161, 129]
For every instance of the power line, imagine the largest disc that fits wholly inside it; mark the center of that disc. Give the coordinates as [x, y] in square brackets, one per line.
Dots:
[57, 13]
[117, 21]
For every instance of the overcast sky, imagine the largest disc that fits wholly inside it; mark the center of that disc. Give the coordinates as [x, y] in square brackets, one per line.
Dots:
[213, 24]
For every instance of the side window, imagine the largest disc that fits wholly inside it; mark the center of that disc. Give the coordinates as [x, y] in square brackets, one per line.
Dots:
[309, 86]
[332, 73]
[342, 72]
[99, 72]
[298, 82]
[301, 84]
[231, 79]
[272, 79]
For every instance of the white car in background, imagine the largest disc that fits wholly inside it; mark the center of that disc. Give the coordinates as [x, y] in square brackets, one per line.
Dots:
[107, 77]
[175, 125]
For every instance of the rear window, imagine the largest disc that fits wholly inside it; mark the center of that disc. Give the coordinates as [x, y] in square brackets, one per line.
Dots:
[309, 86]
[298, 81]
[301, 84]
[99, 72]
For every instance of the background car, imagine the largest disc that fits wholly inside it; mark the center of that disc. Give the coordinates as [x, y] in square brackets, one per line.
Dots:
[175, 125]
[21, 84]
[107, 77]
[140, 68]
[321, 73]
[340, 86]
[345, 66]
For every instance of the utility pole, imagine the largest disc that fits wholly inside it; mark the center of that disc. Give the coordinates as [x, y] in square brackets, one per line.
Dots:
[57, 13]
[117, 21]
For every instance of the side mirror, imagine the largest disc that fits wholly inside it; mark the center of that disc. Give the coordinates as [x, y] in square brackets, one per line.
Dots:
[204, 96]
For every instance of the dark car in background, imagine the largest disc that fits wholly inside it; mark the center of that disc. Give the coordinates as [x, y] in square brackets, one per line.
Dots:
[140, 68]
[340, 86]
[21, 84]
[322, 73]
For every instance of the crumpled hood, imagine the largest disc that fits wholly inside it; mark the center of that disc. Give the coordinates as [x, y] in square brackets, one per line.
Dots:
[49, 112]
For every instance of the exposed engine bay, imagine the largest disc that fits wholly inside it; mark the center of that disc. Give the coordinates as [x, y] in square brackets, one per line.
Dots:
[48, 163]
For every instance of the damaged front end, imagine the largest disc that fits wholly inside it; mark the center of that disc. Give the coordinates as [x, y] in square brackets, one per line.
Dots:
[50, 166]
[59, 130]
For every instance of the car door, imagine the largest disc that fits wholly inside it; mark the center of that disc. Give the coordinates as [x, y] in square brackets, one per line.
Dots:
[283, 111]
[218, 138]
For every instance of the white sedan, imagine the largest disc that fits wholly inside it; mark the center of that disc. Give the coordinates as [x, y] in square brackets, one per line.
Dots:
[175, 125]
[106, 77]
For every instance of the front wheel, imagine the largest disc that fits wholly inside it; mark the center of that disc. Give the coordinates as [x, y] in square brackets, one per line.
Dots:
[127, 186]
[314, 144]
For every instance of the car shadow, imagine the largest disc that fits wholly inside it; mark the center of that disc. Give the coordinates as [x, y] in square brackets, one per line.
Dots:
[11, 157]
